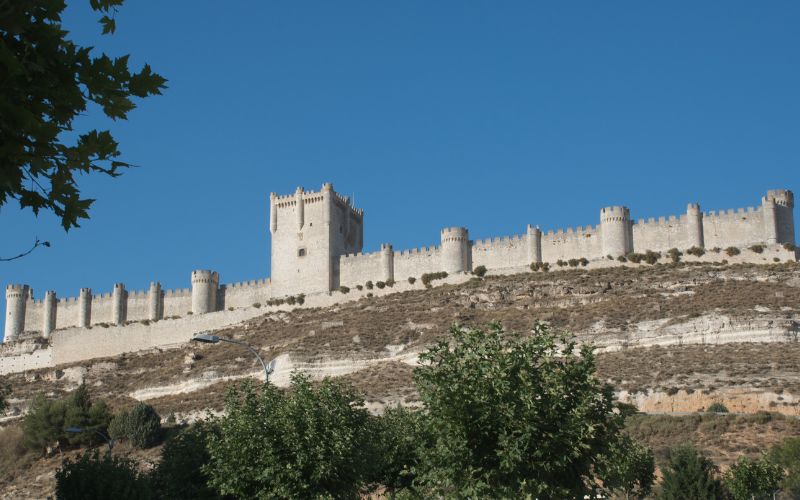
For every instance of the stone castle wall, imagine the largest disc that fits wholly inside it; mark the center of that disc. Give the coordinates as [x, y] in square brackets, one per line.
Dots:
[317, 238]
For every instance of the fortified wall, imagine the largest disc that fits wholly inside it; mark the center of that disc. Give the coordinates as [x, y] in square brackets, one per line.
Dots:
[316, 243]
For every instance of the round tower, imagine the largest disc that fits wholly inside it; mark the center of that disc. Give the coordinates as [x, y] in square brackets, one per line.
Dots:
[204, 291]
[85, 308]
[455, 249]
[694, 226]
[387, 262]
[155, 304]
[327, 189]
[119, 304]
[300, 211]
[615, 226]
[534, 251]
[273, 213]
[49, 313]
[16, 303]
[781, 204]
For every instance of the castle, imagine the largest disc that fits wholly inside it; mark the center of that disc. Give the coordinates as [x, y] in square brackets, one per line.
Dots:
[317, 238]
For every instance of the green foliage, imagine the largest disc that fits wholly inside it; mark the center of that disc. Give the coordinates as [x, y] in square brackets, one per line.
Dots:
[380, 284]
[93, 475]
[5, 391]
[628, 468]
[344, 289]
[479, 271]
[48, 81]
[307, 442]
[47, 420]
[789, 246]
[675, 255]
[690, 476]
[717, 408]
[622, 258]
[787, 455]
[573, 262]
[412, 280]
[561, 263]
[651, 257]
[583, 261]
[141, 426]
[291, 300]
[731, 251]
[512, 416]
[427, 278]
[399, 433]
[179, 474]
[540, 266]
[634, 257]
[390, 282]
[753, 479]
[697, 251]
[369, 285]
[757, 248]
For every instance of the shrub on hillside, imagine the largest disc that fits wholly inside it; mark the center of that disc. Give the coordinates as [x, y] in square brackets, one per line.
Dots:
[674, 254]
[540, 266]
[787, 455]
[634, 257]
[427, 278]
[92, 475]
[651, 257]
[359, 287]
[411, 280]
[390, 282]
[479, 271]
[179, 474]
[344, 289]
[622, 258]
[718, 408]
[789, 246]
[560, 263]
[748, 478]
[369, 285]
[731, 251]
[690, 474]
[697, 251]
[583, 261]
[757, 248]
[141, 426]
[573, 262]
[380, 284]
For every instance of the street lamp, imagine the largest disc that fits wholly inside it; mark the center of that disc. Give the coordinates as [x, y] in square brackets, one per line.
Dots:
[78, 430]
[213, 339]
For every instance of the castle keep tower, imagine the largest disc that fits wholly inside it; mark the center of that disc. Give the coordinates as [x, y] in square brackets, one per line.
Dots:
[85, 308]
[455, 249]
[310, 231]
[387, 262]
[119, 304]
[615, 228]
[155, 302]
[694, 226]
[16, 303]
[204, 291]
[534, 249]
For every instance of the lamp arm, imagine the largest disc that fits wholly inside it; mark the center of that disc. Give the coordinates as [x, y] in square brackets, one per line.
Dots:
[245, 344]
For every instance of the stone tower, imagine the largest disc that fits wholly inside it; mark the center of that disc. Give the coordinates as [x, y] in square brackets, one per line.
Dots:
[310, 230]
[615, 228]
[455, 249]
[778, 208]
[16, 304]
[204, 291]
[694, 226]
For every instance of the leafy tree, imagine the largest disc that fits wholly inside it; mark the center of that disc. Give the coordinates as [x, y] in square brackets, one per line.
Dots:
[304, 443]
[398, 434]
[179, 474]
[5, 391]
[690, 476]
[787, 455]
[628, 469]
[47, 81]
[93, 475]
[141, 426]
[47, 420]
[512, 416]
[753, 479]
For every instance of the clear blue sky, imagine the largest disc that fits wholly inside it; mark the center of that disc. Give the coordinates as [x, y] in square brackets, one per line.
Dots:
[486, 114]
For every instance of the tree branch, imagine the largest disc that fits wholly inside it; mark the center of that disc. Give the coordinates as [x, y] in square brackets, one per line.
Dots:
[36, 245]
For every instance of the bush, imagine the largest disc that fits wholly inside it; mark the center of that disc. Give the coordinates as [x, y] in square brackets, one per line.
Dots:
[748, 478]
[787, 455]
[390, 282]
[495, 397]
[634, 257]
[427, 278]
[583, 261]
[398, 433]
[307, 442]
[179, 474]
[628, 469]
[141, 426]
[369, 285]
[731, 251]
[690, 474]
[789, 246]
[301, 299]
[698, 251]
[93, 475]
[47, 420]
[717, 408]
[380, 284]
[622, 258]
[540, 266]
[257, 305]
[651, 257]
[573, 262]
[344, 289]
[675, 255]
[359, 287]
[757, 248]
[479, 271]
[560, 263]
[411, 280]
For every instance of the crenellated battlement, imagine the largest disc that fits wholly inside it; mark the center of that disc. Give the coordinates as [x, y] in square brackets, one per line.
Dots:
[317, 241]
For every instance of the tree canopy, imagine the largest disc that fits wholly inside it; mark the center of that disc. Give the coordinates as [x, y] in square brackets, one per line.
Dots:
[47, 81]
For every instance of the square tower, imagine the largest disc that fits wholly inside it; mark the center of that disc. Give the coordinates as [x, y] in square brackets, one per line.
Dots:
[310, 230]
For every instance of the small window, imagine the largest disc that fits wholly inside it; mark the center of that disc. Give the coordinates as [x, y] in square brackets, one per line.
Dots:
[301, 252]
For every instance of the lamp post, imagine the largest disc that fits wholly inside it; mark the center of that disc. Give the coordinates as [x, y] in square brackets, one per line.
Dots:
[214, 339]
[78, 430]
